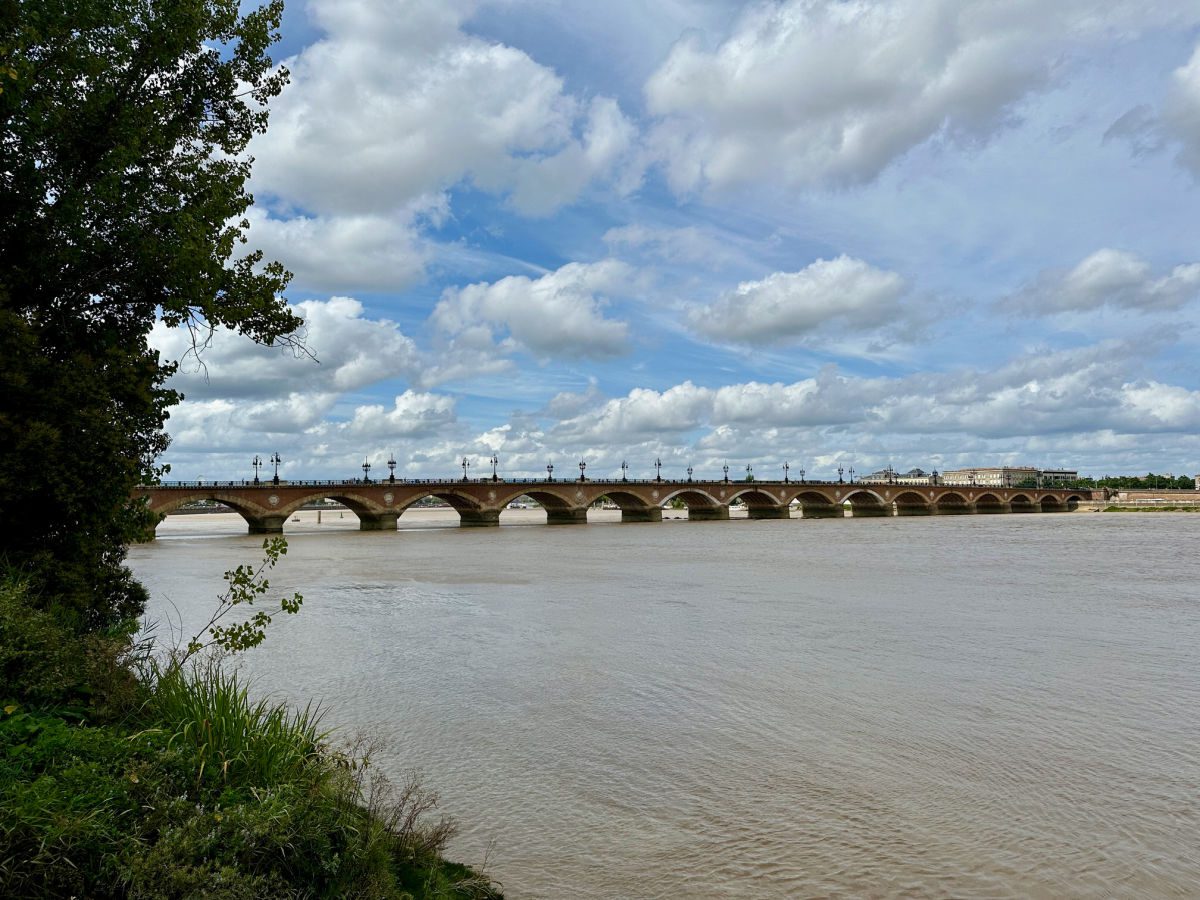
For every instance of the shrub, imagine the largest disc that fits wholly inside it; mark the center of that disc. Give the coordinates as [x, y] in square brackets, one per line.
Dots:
[45, 664]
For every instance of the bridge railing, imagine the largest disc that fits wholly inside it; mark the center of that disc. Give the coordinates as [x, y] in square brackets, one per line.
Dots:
[615, 482]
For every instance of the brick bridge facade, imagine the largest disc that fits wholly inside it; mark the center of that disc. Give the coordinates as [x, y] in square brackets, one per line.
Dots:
[379, 504]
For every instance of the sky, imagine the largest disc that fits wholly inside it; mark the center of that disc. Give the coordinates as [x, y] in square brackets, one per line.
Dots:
[931, 233]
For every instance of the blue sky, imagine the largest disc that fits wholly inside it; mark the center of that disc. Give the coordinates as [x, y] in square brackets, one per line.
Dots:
[931, 233]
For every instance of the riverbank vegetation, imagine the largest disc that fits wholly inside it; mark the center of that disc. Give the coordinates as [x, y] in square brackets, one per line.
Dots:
[126, 772]
[129, 770]
[1151, 509]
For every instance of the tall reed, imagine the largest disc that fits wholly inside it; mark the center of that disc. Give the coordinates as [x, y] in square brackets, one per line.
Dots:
[210, 716]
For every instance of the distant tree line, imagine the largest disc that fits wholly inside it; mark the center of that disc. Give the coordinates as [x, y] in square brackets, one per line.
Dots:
[1147, 482]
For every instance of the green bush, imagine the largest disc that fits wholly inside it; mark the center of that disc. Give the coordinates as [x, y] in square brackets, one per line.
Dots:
[45, 664]
[254, 806]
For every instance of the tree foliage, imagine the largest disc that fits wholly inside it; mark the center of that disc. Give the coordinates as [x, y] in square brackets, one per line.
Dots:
[123, 130]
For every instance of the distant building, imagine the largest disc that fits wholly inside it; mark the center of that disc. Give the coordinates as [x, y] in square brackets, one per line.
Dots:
[1059, 476]
[990, 476]
[1008, 476]
[890, 476]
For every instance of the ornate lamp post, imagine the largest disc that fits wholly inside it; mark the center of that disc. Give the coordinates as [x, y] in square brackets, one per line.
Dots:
[257, 463]
[549, 471]
[972, 478]
[392, 468]
[891, 474]
[749, 472]
[366, 467]
[466, 464]
[689, 473]
[841, 471]
[935, 477]
[802, 476]
[657, 469]
[624, 470]
[582, 469]
[495, 462]
[725, 469]
[852, 474]
[785, 471]
[275, 460]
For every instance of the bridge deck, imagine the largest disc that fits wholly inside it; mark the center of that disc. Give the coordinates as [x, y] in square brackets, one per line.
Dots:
[267, 505]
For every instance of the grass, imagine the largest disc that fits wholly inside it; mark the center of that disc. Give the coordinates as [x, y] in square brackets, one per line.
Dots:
[199, 790]
[1152, 509]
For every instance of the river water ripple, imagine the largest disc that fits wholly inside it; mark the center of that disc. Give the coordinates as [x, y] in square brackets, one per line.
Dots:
[984, 706]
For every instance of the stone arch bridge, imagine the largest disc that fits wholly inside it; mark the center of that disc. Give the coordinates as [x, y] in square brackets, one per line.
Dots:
[378, 505]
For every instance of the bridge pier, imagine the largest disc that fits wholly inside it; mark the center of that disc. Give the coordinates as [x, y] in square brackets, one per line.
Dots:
[479, 518]
[641, 514]
[377, 521]
[266, 524]
[570, 516]
[708, 513]
[768, 512]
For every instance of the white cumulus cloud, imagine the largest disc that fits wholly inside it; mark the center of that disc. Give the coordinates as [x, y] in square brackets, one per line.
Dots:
[557, 315]
[1108, 278]
[819, 92]
[788, 305]
[397, 102]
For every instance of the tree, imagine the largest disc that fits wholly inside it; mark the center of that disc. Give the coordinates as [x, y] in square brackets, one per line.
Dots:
[123, 130]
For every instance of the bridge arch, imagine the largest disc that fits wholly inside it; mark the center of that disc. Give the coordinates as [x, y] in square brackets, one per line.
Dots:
[866, 503]
[250, 513]
[561, 504]
[911, 503]
[1052, 503]
[1073, 502]
[952, 503]
[360, 506]
[988, 502]
[1022, 503]
[764, 502]
[701, 505]
[816, 504]
[469, 510]
[635, 508]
